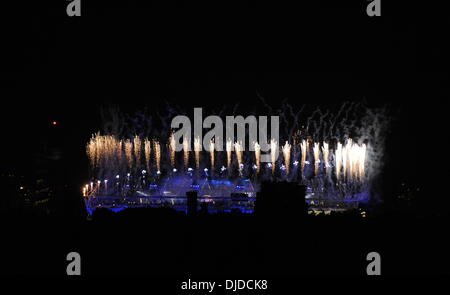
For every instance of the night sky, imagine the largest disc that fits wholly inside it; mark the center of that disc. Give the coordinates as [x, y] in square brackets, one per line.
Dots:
[64, 69]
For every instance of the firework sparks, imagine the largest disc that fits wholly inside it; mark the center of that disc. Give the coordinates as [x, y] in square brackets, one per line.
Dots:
[287, 156]
[316, 151]
[258, 157]
[172, 148]
[129, 153]
[211, 152]
[239, 154]
[197, 149]
[326, 155]
[157, 148]
[351, 158]
[273, 153]
[137, 150]
[338, 159]
[147, 153]
[304, 149]
[229, 148]
[186, 148]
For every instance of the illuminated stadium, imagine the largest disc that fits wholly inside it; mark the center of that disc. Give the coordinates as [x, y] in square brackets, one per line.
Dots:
[139, 171]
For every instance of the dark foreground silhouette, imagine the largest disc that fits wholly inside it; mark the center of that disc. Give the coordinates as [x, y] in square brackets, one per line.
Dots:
[279, 239]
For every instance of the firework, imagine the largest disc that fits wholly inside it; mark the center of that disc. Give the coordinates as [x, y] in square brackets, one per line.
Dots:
[362, 160]
[197, 149]
[351, 158]
[239, 154]
[119, 152]
[137, 150]
[326, 155]
[92, 150]
[147, 153]
[287, 156]
[105, 154]
[129, 153]
[172, 148]
[338, 159]
[316, 151]
[211, 152]
[304, 148]
[229, 148]
[186, 148]
[273, 153]
[157, 148]
[258, 156]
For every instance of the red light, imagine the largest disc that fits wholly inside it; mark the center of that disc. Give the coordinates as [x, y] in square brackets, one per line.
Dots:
[54, 123]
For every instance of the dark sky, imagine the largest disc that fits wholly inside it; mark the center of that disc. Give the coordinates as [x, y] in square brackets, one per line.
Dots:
[64, 69]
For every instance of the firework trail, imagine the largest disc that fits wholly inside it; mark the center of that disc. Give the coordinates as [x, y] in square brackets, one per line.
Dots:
[351, 158]
[92, 150]
[326, 159]
[273, 153]
[197, 149]
[186, 148]
[137, 150]
[287, 156]
[304, 149]
[229, 148]
[316, 151]
[258, 157]
[119, 151]
[211, 152]
[362, 161]
[147, 153]
[238, 148]
[129, 153]
[172, 148]
[338, 159]
[157, 148]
